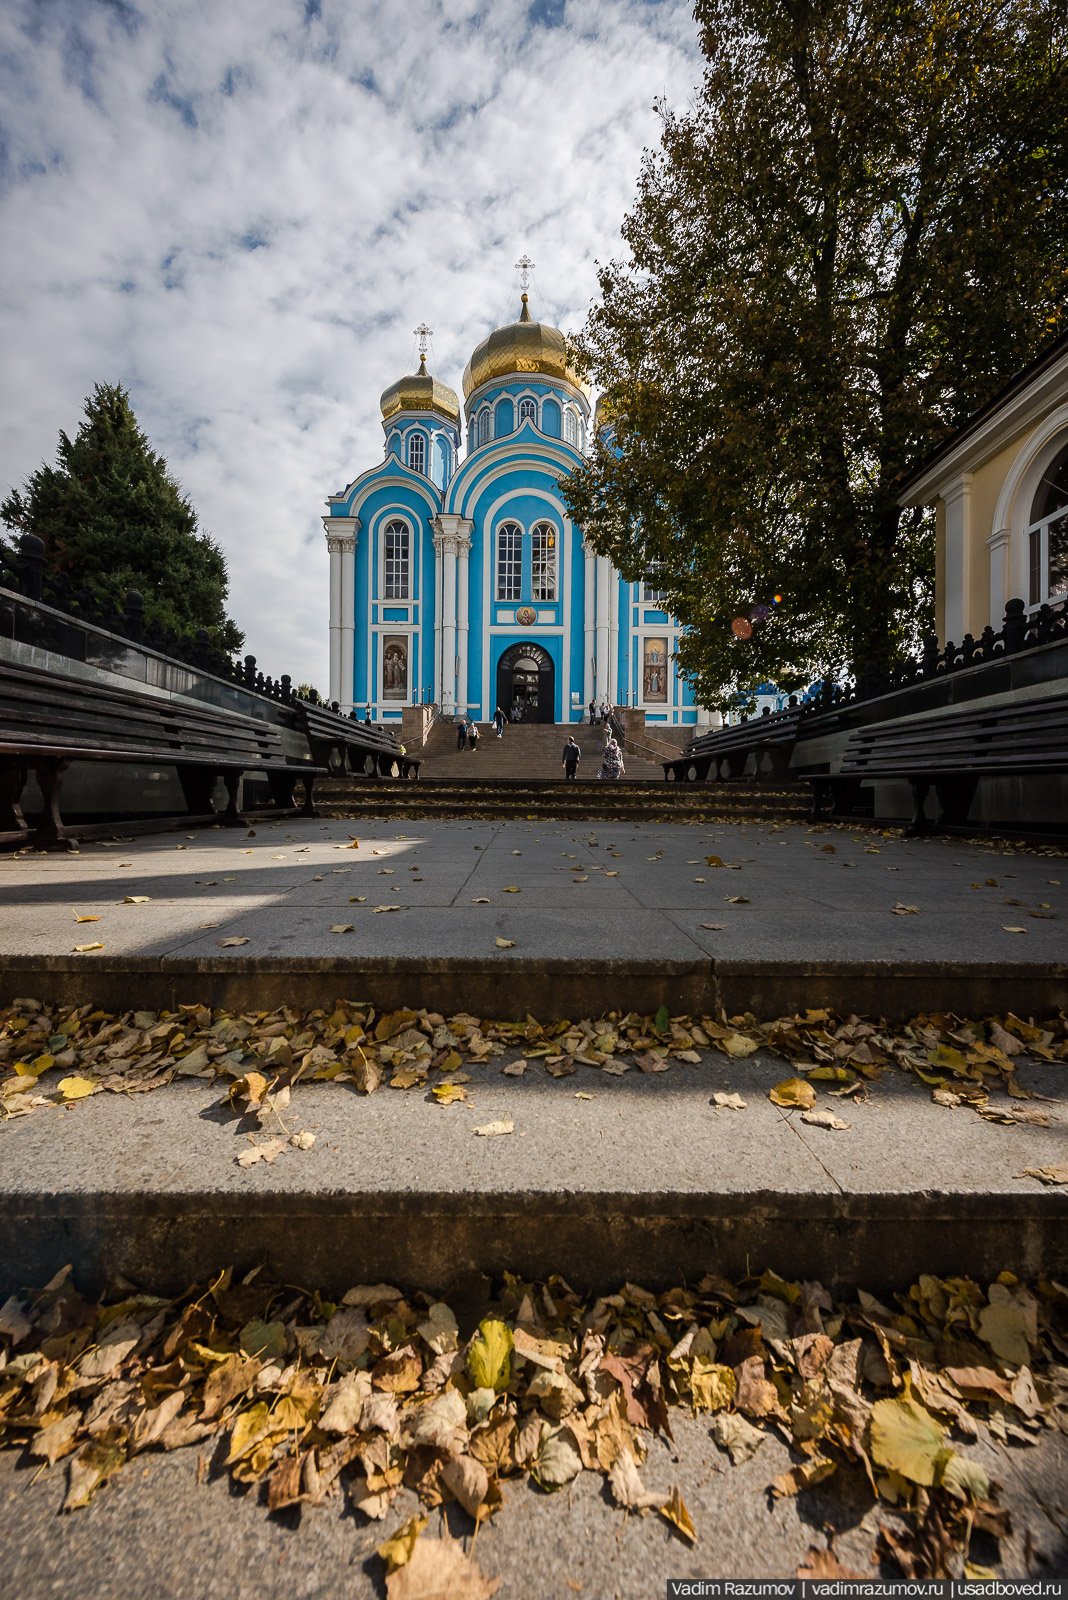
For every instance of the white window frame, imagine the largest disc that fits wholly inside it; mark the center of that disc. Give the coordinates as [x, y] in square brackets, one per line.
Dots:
[1037, 536]
[485, 427]
[571, 428]
[650, 594]
[531, 415]
[388, 560]
[508, 562]
[543, 561]
[416, 446]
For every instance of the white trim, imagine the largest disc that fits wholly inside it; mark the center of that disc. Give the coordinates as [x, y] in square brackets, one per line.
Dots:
[380, 523]
[1014, 417]
[528, 380]
[395, 630]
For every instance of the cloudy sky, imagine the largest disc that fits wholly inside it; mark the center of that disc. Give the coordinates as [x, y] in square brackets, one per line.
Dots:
[241, 211]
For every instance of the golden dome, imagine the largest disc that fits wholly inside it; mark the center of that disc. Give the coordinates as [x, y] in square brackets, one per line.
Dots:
[420, 392]
[523, 346]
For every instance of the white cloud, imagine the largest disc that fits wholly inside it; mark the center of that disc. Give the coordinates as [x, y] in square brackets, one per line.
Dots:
[241, 212]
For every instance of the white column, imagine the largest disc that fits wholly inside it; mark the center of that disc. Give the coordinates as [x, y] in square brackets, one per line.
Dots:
[439, 671]
[348, 621]
[958, 502]
[463, 608]
[999, 545]
[604, 604]
[589, 580]
[613, 636]
[445, 549]
[333, 545]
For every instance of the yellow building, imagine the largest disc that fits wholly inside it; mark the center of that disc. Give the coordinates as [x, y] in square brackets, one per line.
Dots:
[999, 486]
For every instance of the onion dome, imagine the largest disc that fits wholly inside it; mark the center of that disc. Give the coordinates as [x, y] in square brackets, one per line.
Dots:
[420, 392]
[523, 346]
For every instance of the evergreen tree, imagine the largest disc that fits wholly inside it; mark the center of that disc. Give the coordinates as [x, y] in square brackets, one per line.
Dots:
[852, 239]
[111, 515]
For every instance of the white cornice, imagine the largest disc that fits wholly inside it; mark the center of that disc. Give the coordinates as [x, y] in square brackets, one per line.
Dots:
[526, 381]
[1020, 412]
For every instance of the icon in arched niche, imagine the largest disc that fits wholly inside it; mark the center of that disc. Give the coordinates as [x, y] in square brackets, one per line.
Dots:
[395, 667]
[654, 671]
[526, 616]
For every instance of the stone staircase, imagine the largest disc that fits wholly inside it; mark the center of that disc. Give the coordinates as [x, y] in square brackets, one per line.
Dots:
[527, 752]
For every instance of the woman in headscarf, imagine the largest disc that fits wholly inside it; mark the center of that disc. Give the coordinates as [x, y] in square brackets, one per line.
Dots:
[612, 767]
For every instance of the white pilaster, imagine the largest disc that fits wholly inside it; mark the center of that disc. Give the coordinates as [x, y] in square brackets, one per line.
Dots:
[958, 502]
[341, 536]
[999, 546]
[463, 609]
[613, 637]
[604, 606]
[589, 623]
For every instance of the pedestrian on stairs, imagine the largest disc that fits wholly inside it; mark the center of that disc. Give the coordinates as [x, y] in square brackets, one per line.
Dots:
[593, 712]
[472, 735]
[498, 722]
[572, 757]
[461, 733]
[612, 768]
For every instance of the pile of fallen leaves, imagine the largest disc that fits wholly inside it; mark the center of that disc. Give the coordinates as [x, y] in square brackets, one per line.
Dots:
[55, 1055]
[380, 1389]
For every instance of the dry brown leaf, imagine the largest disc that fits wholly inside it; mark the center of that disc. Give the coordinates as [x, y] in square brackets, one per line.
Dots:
[225, 944]
[1052, 1175]
[492, 1130]
[437, 1569]
[824, 1119]
[675, 1512]
[793, 1092]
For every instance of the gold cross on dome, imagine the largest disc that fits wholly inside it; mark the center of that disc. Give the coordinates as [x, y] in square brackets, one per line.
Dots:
[423, 333]
[524, 266]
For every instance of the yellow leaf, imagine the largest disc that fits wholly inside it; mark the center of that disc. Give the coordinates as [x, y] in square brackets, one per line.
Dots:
[446, 1093]
[793, 1092]
[905, 1438]
[79, 918]
[26, 1069]
[77, 1088]
[712, 1385]
[489, 1355]
[396, 1551]
[387, 908]
[714, 861]
[737, 1044]
[225, 944]
[511, 888]
[343, 927]
[505, 944]
[136, 900]
[80, 949]
[736, 899]
[676, 1513]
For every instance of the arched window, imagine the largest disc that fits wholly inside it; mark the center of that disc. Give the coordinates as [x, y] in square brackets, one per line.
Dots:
[543, 562]
[652, 593]
[503, 420]
[509, 561]
[528, 411]
[397, 560]
[485, 422]
[571, 433]
[1047, 537]
[417, 453]
[550, 419]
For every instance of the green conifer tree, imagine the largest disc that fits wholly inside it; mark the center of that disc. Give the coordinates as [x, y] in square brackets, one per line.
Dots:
[111, 515]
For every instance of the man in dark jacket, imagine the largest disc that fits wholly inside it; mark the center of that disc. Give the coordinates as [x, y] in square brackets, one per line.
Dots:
[572, 757]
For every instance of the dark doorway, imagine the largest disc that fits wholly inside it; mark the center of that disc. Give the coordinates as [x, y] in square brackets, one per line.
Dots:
[526, 684]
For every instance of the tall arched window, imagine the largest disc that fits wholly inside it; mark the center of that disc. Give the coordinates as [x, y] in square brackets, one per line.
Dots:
[503, 420]
[528, 411]
[543, 562]
[509, 561]
[417, 453]
[652, 593]
[1047, 537]
[397, 559]
[571, 428]
[485, 423]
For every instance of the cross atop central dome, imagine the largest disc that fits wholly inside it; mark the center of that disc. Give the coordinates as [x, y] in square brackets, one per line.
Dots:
[523, 346]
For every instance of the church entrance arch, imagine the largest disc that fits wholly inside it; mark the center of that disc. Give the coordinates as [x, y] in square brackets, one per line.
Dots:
[526, 683]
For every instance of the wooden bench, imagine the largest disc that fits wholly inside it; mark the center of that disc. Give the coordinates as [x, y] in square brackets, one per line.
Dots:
[345, 745]
[48, 720]
[950, 754]
[773, 734]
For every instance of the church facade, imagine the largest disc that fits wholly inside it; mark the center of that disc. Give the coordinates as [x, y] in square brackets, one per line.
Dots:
[457, 577]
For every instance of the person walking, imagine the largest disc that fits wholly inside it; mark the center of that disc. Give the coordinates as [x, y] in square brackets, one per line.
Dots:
[572, 757]
[612, 768]
[498, 722]
[472, 735]
[593, 712]
[461, 733]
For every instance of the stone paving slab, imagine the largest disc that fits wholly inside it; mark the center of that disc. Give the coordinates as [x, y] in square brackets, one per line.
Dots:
[604, 1177]
[804, 915]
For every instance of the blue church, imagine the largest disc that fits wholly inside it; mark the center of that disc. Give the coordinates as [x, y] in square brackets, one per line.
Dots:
[458, 578]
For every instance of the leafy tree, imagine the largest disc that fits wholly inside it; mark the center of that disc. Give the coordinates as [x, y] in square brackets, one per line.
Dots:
[851, 240]
[111, 515]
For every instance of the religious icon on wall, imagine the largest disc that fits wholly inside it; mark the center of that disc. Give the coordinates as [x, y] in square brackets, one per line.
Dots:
[654, 671]
[395, 667]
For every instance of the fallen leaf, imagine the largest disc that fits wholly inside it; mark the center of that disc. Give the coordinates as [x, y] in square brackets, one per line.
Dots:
[1006, 929]
[825, 1564]
[738, 1044]
[79, 918]
[901, 910]
[343, 927]
[556, 1462]
[733, 1102]
[268, 1151]
[736, 899]
[739, 1437]
[234, 940]
[437, 1569]
[388, 908]
[793, 1092]
[396, 1551]
[489, 1355]
[627, 1487]
[511, 888]
[81, 949]
[675, 1512]
[136, 900]
[481, 900]
[77, 1088]
[824, 1119]
[505, 944]
[714, 927]
[303, 1140]
[906, 1439]
[490, 1130]
[1057, 1174]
